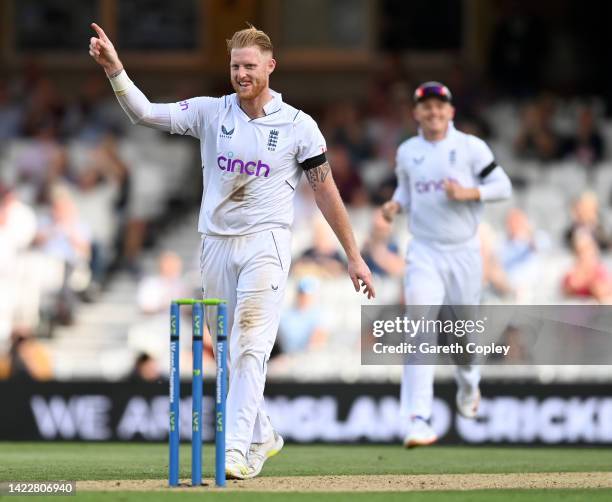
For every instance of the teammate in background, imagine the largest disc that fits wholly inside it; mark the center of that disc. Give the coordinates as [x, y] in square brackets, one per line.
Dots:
[254, 148]
[444, 176]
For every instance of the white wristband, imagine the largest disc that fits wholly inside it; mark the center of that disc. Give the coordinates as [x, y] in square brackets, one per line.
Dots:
[121, 83]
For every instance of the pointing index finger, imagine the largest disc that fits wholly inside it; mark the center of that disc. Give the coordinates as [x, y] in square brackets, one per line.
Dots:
[99, 31]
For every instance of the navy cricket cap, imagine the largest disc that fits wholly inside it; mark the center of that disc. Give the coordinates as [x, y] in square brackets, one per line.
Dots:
[432, 90]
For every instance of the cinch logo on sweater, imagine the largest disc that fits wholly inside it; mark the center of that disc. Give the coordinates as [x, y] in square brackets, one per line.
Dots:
[250, 168]
[431, 185]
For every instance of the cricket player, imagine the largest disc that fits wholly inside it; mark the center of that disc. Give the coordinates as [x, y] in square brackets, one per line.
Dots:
[444, 177]
[254, 149]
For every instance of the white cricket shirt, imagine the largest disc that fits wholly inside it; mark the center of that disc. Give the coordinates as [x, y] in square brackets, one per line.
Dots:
[251, 167]
[421, 168]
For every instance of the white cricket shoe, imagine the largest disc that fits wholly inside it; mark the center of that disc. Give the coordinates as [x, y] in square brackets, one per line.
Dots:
[236, 466]
[420, 433]
[260, 452]
[468, 401]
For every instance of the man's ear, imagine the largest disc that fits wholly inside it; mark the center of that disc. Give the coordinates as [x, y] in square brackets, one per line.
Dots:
[271, 65]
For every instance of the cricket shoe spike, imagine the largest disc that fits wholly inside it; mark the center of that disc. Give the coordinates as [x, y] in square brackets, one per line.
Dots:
[260, 452]
[236, 466]
[420, 433]
[468, 401]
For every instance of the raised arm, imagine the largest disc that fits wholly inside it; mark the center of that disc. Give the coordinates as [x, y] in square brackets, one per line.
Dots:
[135, 104]
[329, 202]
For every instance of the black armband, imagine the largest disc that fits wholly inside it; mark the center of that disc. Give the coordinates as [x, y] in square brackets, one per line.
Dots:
[487, 170]
[313, 162]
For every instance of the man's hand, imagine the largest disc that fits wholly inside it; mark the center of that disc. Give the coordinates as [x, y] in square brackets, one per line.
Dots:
[390, 209]
[103, 52]
[361, 276]
[454, 191]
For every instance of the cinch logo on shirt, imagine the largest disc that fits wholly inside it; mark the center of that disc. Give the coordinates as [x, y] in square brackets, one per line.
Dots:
[431, 185]
[251, 168]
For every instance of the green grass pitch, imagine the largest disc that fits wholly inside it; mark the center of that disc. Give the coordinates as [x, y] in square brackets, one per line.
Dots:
[104, 461]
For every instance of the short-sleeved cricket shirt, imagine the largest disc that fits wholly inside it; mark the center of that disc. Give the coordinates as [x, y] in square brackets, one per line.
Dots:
[251, 167]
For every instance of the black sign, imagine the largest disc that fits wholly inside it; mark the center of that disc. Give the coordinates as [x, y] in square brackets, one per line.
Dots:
[307, 413]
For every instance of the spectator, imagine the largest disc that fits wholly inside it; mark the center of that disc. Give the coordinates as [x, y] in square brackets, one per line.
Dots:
[27, 359]
[587, 144]
[301, 327]
[89, 117]
[17, 220]
[494, 277]
[44, 106]
[537, 139]
[385, 189]
[585, 216]
[347, 177]
[468, 100]
[42, 163]
[17, 232]
[63, 236]
[102, 181]
[304, 205]
[100, 162]
[343, 126]
[156, 292]
[390, 122]
[146, 369]
[11, 114]
[380, 252]
[323, 259]
[588, 277]
[518, 254]
[146, 201]
[518, 348]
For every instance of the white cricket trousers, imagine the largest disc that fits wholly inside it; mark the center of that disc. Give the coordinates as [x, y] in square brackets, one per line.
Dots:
[452, 276]
[250, 273]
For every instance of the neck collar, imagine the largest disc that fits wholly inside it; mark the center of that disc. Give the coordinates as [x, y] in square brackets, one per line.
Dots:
[272, 106]
[449, 132]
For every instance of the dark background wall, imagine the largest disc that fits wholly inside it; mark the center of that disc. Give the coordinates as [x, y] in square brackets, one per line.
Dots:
[515, 47]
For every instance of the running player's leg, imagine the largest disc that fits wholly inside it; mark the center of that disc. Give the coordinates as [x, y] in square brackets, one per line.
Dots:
[465, 289]
[423, 286]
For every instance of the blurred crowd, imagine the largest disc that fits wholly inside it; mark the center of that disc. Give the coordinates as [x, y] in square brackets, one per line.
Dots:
[83, 195]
